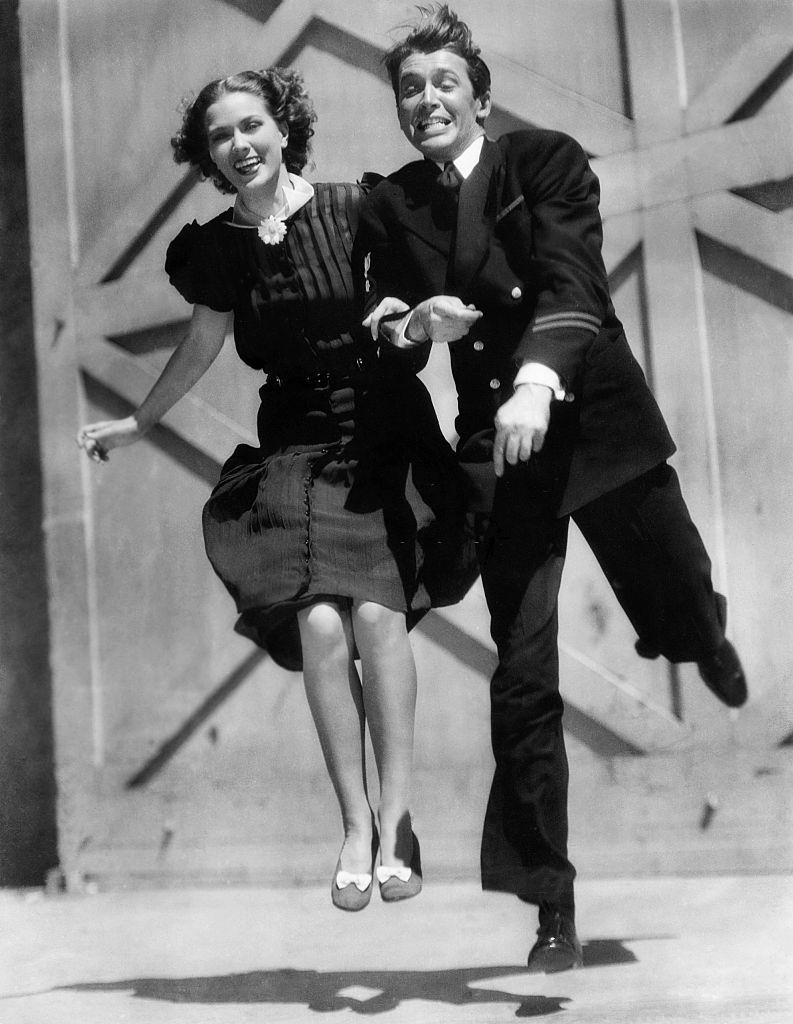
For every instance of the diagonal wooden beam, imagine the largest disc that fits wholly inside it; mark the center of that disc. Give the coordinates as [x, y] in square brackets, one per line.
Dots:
[171, 746]
[613, 703]
[160, 179]
[745, 226]
[735, 155]
[131, 378]
[133, 303]
[749, 66]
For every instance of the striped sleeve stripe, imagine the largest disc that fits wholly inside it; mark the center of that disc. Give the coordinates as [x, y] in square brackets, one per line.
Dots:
[570, 314]
[577, 323]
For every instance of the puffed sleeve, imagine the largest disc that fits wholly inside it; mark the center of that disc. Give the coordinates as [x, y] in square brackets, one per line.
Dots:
[200, 265]
[368, 180]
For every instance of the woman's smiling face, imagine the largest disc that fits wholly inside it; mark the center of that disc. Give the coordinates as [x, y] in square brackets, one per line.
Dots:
[245, 142]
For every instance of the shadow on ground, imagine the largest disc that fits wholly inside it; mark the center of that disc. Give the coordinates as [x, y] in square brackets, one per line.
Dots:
[367, 992]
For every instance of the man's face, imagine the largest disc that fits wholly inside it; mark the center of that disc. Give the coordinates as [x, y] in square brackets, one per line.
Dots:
[438, 111]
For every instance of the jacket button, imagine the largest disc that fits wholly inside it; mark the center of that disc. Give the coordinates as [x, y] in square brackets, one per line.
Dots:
[495, 384]
[478, 346]
[516, 293]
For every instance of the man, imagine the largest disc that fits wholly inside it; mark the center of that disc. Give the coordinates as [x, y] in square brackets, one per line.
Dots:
[510, 271]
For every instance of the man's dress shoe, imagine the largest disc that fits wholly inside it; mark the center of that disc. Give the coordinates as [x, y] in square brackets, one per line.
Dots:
[557, 947]
[722, 673]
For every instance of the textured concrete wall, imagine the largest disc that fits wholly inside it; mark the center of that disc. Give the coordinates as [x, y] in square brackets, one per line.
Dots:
[27, 805]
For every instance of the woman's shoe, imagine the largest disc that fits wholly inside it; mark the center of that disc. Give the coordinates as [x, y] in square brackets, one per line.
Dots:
[350, 891]
[398, 882]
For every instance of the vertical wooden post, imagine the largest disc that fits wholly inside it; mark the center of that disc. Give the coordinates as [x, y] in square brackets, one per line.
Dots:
[45, 75]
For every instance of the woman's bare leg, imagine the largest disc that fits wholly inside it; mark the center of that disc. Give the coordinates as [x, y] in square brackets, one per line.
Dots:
[335, 698]
[388, 674]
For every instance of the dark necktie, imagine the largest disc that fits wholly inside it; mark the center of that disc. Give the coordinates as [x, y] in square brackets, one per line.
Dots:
[446, 196]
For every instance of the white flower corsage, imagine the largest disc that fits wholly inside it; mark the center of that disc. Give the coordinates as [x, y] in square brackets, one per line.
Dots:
[272, 231]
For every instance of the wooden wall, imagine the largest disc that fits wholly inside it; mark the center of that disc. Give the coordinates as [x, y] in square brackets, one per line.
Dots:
[182, 753]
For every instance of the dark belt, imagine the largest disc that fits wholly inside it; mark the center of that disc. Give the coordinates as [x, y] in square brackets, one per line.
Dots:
[322, 380]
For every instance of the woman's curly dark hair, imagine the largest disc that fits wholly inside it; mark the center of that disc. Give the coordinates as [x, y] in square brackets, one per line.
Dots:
[284, 95]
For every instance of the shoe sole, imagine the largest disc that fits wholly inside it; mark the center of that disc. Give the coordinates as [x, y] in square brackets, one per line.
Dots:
[355, 906]
[551, 961]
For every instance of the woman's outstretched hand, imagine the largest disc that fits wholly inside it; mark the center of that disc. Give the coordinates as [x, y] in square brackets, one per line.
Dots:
[98, 439]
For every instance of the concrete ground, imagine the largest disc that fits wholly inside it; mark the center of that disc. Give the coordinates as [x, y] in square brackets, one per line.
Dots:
[657, 951]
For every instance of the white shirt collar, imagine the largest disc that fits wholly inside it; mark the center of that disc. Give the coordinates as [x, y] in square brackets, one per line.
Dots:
[296, 194]
[469, 158]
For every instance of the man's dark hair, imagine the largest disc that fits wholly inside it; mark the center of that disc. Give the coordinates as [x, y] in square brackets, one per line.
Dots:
[439, 28]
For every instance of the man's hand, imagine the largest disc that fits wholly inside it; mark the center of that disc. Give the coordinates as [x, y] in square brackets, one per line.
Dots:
[442, 319]
[521, 425]
[386, 307]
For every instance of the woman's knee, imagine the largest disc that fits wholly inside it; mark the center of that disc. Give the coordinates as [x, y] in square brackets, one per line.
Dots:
[373, 620]
[324, 626]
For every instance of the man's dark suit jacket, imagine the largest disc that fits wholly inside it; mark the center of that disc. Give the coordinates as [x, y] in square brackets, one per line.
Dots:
[526, 253]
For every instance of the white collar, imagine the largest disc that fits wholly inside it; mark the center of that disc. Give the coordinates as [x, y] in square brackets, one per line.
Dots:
[296, 194]
[469, 157]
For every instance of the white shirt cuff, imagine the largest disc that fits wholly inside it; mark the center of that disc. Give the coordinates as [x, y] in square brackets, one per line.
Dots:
[400, 338]
[538, 373]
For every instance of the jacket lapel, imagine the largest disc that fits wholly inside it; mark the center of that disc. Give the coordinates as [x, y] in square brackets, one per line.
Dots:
[476, 215]
[416, 217]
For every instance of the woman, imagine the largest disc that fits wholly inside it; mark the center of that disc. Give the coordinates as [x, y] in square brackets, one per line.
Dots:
[344, 525]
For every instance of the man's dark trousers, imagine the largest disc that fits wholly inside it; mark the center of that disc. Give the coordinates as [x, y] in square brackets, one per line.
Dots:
[643, 538]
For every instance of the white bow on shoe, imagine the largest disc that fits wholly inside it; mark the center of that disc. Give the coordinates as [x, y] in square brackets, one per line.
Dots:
[361, 882]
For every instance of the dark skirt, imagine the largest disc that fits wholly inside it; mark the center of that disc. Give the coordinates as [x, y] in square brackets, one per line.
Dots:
[361, 514]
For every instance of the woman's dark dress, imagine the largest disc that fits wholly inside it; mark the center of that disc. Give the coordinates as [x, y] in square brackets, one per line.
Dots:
[353, 493]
